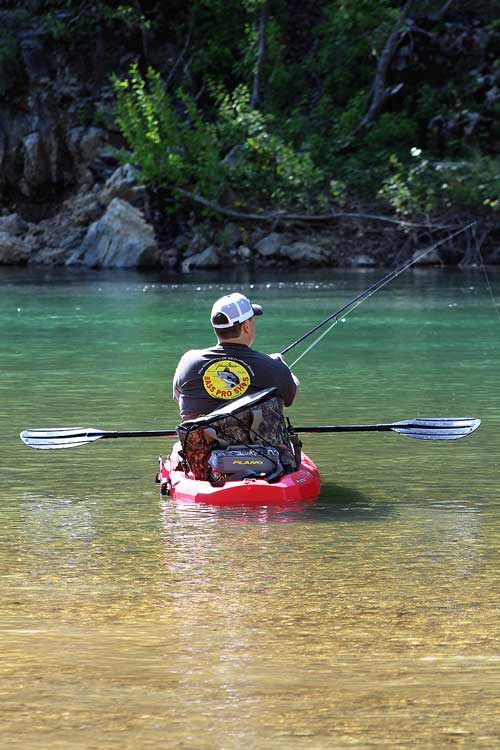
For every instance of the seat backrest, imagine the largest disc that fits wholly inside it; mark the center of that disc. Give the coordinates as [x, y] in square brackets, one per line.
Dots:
[263, 423]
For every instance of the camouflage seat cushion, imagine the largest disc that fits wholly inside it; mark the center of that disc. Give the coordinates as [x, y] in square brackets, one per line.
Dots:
[263, 424]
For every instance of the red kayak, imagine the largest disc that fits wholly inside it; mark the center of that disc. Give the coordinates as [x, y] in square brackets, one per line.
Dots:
[303, 484]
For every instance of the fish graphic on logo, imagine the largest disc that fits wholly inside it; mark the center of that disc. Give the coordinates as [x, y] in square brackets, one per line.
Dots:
[230, 378]
[226, 378]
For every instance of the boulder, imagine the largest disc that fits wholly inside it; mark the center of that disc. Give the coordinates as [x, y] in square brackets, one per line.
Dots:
[433, 258]
[303, 252]
[84, 207]
[208, 258]
[122, 184]
[363, 261]
[13, 251]
[244, 253]
[169, 258]
[199, 240]
[46, 163]
[270, 245]
[120, 239]
[229, 236]
[12, 224]
[36, 57]
[84, 143]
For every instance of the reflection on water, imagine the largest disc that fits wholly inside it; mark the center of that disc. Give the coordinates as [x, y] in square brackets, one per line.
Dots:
[368, 618]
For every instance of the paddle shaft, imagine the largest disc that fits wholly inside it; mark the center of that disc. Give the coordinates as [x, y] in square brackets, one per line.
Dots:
[369, 427]
[347, 428]
[303, 428]
[135, 433]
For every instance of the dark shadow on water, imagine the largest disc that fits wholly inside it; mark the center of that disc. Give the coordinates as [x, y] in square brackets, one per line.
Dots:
[336, 504]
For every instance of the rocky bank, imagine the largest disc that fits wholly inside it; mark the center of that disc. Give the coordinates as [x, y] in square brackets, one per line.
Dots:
[64, 199]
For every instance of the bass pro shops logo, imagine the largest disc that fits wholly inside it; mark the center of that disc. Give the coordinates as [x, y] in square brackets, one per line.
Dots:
[226, 378]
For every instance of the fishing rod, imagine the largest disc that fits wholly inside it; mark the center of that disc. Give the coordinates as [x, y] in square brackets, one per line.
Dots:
[364, 295]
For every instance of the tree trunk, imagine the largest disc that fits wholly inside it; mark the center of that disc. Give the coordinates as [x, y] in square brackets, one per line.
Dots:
[261, 53]
[379, 90]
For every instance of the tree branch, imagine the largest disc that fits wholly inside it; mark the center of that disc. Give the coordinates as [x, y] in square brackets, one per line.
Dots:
[379, 91]
[277, 216]
[440, 13]
[176, 64]
[145, 34]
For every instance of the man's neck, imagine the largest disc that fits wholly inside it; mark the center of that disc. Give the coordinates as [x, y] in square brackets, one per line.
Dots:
[240, 340]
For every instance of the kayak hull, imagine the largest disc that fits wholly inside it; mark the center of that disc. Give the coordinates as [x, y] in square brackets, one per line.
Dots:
[303, 484]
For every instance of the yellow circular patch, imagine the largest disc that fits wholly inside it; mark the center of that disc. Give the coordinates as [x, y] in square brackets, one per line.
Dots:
[226, 379]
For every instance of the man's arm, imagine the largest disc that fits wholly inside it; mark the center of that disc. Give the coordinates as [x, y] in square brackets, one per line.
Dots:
[176, 389]
[296, 381]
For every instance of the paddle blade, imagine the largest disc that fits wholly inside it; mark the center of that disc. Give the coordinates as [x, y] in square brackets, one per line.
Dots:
[59, 437]
[437, 429]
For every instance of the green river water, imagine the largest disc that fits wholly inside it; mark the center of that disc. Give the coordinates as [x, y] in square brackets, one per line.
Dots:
[367, 619]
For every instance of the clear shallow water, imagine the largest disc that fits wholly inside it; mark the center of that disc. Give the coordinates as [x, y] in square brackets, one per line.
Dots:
[366, 619]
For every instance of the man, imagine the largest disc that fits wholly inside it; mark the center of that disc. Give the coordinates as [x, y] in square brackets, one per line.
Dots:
[207, 378]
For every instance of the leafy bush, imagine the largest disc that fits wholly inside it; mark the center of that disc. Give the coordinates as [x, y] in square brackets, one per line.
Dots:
[429, 186]
[170, 150]
[267, 166]
[69, 22]
[238, 153]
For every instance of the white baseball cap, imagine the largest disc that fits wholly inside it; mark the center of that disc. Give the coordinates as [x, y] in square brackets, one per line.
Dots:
[235, 308]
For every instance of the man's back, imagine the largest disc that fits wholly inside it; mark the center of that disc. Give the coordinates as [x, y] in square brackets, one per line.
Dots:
[205, 378]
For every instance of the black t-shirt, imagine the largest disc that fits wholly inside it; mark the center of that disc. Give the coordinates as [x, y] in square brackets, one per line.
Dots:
[206, 378]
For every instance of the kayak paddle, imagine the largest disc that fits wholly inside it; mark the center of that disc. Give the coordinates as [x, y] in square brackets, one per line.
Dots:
[424, 429]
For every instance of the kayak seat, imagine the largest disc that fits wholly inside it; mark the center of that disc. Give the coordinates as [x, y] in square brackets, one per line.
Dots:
[257, 423]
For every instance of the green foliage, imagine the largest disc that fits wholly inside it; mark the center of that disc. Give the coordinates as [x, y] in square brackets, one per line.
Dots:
[169, 149]
[177, 147]
[301, 147]
[71, 23]
[218, 29]
[126, 15]
[267, 166]
[352, 34]
[426, 186]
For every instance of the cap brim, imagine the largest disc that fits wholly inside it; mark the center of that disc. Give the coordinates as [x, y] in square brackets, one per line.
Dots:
[257, 310]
